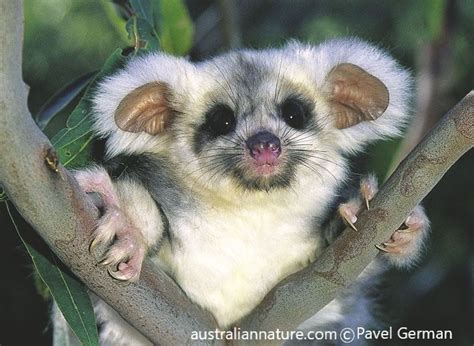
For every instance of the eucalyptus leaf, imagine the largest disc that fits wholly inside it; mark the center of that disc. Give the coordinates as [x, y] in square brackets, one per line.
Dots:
[3, 195]
[141, 26]
[73, 143]
[116, 12]
[61, 99]
[176, 27]
[68, 292]
[144, 36]
[143, 9]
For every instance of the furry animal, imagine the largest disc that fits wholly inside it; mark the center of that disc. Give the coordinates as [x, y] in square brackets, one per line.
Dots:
[233, 173]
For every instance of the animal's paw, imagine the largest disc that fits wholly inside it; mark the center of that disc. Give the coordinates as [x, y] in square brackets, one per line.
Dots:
[97, 180]
[119, 246]
[404, 246]
[349, 210]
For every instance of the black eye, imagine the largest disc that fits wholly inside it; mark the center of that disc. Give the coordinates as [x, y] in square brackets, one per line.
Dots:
[220, 120]
[295, 113]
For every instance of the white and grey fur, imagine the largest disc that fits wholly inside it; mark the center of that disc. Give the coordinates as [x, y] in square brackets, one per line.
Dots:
[226, 239]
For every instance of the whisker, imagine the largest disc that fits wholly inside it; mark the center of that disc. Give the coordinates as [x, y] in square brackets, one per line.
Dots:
[229, 88]
[276, 92]
[314, 163]
[313, 169]
[233, 141]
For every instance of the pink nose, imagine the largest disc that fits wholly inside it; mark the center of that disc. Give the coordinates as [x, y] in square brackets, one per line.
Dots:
[264, 147]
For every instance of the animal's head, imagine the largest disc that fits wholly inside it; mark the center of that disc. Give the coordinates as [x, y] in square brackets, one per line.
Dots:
[255, 119]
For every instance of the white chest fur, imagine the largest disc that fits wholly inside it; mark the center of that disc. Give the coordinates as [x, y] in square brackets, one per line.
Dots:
[230, 254]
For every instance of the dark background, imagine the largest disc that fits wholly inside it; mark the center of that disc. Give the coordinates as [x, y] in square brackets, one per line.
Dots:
[65, 39]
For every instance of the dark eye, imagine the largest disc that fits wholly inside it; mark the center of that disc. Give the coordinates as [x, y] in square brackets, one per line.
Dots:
[295, 113]
[220, 120]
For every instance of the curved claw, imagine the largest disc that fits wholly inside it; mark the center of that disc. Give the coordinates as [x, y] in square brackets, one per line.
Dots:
[368, 189]
[367, 203]
[407, 230]
[93, 245]
[117, 275]
[352, 226]
[114, 256]
[348, 213]
[106, 229]
[125, 272]
[105, 261]
[380, 248]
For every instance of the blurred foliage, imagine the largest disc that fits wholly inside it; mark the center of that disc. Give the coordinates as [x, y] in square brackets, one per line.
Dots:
[176, 29]
[65, 39]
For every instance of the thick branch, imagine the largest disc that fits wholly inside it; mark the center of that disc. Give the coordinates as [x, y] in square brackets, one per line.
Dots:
[302, 294]
[60, 211]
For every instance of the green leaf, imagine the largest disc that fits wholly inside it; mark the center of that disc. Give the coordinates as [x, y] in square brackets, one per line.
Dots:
[3, 195]
[176, 27]
[116, 12]
[73, 143]
[141, 26]
[144, 36]
[434, 17]
[68, 292]
[61, 99]
[143, 9]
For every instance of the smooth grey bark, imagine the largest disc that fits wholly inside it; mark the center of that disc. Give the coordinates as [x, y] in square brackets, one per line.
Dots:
[54, 205]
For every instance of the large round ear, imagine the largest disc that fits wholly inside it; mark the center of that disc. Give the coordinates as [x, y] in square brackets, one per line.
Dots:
[354, 95]
[145, 109]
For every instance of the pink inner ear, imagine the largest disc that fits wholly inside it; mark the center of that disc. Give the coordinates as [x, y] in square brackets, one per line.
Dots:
[354, 95]
[145, 109]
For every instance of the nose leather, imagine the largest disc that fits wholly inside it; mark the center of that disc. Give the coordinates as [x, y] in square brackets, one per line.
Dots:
[264, 144]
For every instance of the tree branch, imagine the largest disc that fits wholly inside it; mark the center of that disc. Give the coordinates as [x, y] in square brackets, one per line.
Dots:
[302, 294]
[62, 214]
